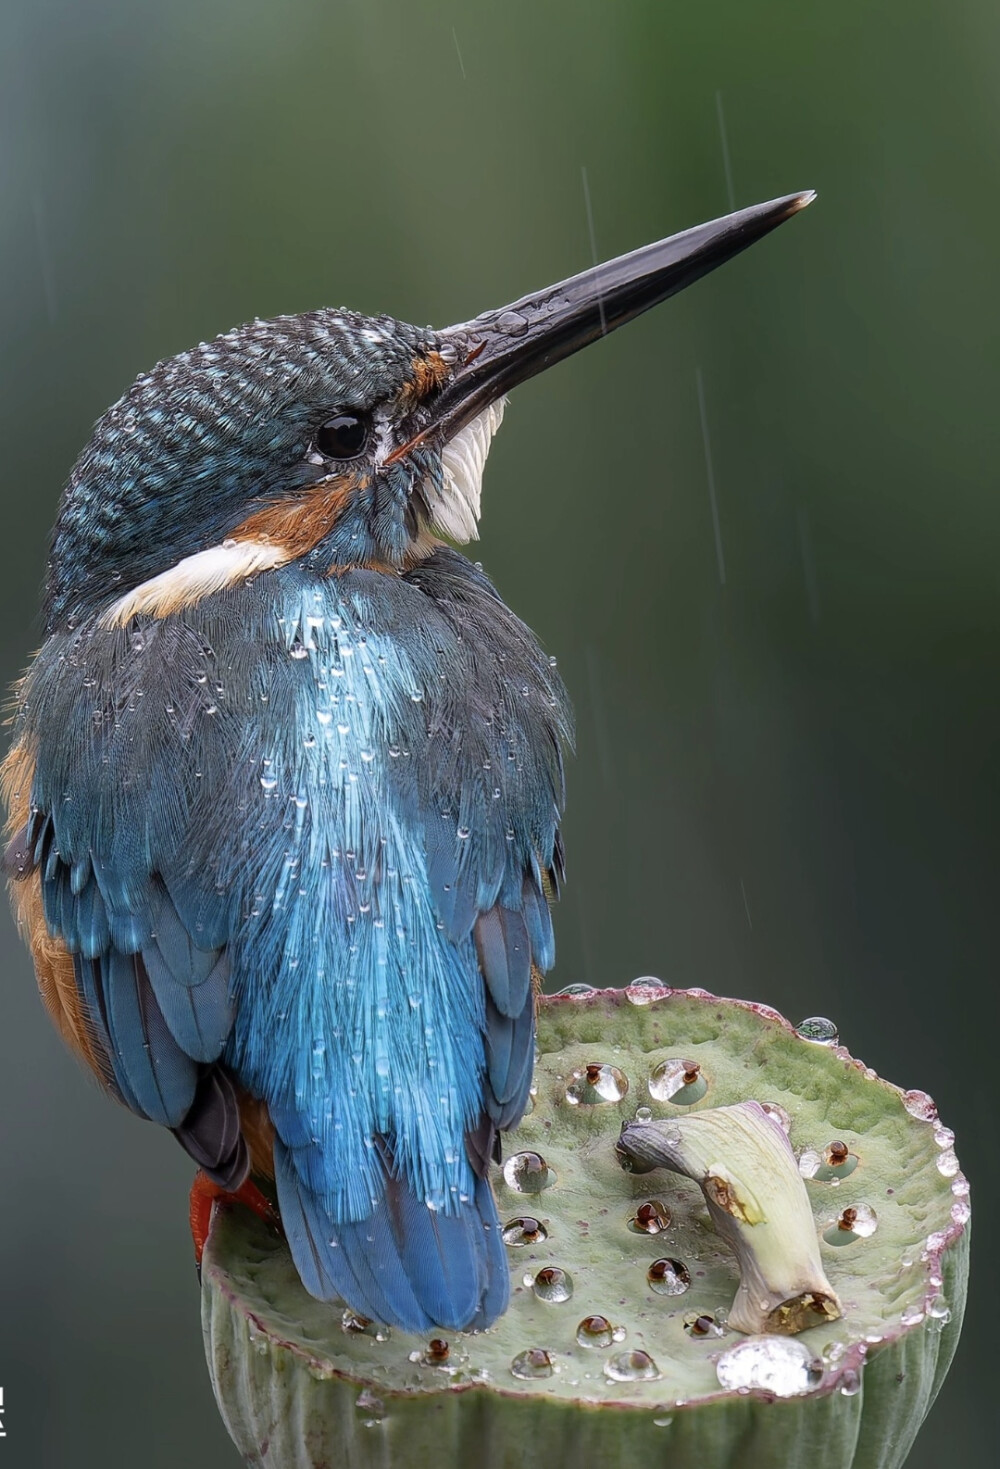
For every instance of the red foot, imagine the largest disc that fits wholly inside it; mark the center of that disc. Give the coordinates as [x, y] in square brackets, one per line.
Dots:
[205, 1195]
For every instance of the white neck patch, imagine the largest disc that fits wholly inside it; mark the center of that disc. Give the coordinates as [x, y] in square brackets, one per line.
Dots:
[455, 507]
[195, 577]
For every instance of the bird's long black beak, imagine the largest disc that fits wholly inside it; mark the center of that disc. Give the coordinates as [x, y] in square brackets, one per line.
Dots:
[502, 348]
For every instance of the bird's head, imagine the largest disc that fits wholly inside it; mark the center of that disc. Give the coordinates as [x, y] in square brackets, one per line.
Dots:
[338, 439]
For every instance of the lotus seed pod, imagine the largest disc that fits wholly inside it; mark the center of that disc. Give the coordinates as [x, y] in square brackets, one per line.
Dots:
[796, 1172]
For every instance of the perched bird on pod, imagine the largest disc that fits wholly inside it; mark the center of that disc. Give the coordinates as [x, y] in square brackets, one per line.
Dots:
[286, 779]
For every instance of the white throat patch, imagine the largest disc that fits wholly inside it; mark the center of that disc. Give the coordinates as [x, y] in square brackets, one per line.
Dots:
[455, 507]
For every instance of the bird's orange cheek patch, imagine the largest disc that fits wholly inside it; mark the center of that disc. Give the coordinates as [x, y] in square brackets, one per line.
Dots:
[298, 524]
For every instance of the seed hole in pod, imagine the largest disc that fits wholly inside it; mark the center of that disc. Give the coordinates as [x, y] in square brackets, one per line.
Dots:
[818, 1029]
[857, 1222]
[678, 1081]
[780, 1365]
[650, 1218]
[779, 1114]
[355, 1324]
[669, 1277]
[701, 1325]
[523, 1231]
[597, 1331]
[634, 1366]
[535, 1362]
[596, 1083]
[646, 991]
[528, 1173]
[836, 1162]
[551, 1284]
[577, 989]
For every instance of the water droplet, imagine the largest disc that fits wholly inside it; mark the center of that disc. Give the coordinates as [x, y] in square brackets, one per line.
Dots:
[850, 1383]
[298, 651]
[857, 1222]
[634, 1366]
[535, 1362]
[668, 1277]
[779, 1114]
[436, 1353]
[370, 1407]
[528, 1173]
[646, 991]
[463, 833]
[701, 1325]
[552, 1284]
[595, 1083]
[577, 989]
[911, 1316]
[651, 1217]
[780, 1365]
[818, 1029]
[354, 1324]
[268, 782]
[523, 1231]
[643, 1114]
[809, 1162]
[961, 1212]
[512, 323]
[921, 1106]
[939, 1314]
[678, 1081]
[947, 1164]
[596, 1331]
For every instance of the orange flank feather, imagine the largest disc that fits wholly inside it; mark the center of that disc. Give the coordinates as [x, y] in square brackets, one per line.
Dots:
[52, 960]
[258, 1132]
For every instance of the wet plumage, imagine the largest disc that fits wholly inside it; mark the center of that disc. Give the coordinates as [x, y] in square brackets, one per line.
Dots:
[286, 785]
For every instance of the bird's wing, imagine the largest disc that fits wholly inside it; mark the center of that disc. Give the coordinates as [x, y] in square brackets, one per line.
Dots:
[130, 948]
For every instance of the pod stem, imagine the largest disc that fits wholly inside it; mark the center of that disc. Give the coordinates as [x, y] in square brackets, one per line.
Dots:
[757, 1200]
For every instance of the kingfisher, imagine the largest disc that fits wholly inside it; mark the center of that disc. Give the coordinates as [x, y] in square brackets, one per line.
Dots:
[286, 780]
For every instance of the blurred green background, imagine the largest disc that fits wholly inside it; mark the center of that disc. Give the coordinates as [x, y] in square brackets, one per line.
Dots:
[786, 781]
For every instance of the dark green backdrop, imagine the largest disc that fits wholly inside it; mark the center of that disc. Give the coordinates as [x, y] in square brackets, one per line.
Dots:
[786, 783]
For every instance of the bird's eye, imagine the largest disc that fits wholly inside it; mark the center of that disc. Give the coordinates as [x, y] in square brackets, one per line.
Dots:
[344, 436]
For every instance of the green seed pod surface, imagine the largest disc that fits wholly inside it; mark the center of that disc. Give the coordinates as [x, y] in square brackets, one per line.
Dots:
[617, 1341]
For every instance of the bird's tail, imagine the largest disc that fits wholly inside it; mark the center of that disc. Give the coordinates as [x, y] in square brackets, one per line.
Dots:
[406, 1265]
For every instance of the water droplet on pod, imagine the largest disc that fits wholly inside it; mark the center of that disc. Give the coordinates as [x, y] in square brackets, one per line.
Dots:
[668, 1277]
[535, 1362]
[818, 1029]
[552, 1284]
[523, 1231]
[596, 1331]
[596, 1083]
[780, 1365]
[528, 1173]
[678, 1081]
[634, 1366]
[857, 1222]
[651, 1217]
[646, 991]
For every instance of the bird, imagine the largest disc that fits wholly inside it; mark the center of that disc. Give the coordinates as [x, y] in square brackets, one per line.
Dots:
[286, 779]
